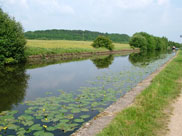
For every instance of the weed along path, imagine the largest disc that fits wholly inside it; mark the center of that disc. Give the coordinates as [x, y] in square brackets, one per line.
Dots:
[175, 123]
[102, 120]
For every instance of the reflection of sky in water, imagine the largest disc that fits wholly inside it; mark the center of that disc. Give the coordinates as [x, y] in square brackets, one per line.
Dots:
[68, 76]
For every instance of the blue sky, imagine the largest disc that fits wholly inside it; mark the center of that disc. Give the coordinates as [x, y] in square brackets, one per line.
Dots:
[157, 17]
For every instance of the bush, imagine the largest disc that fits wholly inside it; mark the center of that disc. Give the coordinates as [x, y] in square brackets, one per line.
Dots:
[138, 41]
[12, 40]
[102, 41]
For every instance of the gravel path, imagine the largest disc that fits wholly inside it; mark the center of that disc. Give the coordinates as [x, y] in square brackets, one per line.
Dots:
[175, 124]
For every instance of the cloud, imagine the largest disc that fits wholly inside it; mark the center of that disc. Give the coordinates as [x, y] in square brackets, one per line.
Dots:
[133, 4]
[158, 17]
[22, 3]
[163, 2]
[54, 6]
[46, 5]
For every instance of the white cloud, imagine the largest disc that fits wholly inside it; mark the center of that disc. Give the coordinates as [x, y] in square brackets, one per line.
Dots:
[49, 5]
[163, 2]
[130, 4]
[122, 16]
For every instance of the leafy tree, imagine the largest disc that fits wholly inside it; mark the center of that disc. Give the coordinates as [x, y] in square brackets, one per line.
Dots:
[171, 44]
[102, 41]
[138, 41]
[12, 41]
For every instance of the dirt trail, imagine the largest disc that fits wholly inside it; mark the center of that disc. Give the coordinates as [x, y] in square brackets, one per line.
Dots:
[175, 124]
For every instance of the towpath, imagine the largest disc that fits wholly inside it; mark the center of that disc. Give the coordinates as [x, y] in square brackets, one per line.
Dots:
[175, 124]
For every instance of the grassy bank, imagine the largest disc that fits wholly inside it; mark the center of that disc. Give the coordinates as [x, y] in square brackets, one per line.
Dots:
[146, 116]
[37, 47]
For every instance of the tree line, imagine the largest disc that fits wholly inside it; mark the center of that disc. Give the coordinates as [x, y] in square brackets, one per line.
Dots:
[77, 35]
[171, 44]
[145, 41]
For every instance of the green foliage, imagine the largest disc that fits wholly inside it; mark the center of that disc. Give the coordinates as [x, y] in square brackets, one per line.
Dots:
[12, 40]
[103, 42]
[139, 41]
[145, 41]
[171, 44]
[77, 35]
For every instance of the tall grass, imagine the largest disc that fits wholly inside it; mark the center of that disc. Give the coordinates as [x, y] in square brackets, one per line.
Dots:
[145, 117]
[36, 47]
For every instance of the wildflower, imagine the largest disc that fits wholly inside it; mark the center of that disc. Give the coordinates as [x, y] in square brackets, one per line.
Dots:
[5, 128]
[44, 126]
[43, 109]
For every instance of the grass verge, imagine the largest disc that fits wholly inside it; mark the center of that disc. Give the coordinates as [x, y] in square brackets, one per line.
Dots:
[39, 47]
[146, 116]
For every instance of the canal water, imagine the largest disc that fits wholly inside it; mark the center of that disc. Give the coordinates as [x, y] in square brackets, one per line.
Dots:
[57, 99]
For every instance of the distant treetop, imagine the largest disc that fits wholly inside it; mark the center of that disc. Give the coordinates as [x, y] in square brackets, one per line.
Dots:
[77, 35]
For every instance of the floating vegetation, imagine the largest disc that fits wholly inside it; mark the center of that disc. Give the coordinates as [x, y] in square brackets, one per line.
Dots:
[66, 112]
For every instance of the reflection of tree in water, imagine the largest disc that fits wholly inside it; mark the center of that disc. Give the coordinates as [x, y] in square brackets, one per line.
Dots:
[103, 62]
[145, 58]
[13, 84]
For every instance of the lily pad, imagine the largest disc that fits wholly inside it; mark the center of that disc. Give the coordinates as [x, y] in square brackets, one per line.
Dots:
[70, 116]
[79, 120]
[42, 133]
[64, 121]
[13, 127]
[51, 128]
[36, 127]
[21, 132]
[75, 110]
[84, 116]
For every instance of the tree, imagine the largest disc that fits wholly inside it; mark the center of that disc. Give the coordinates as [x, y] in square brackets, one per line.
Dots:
[12, 40]
[138, 41]
[145, 41]
[103, 42]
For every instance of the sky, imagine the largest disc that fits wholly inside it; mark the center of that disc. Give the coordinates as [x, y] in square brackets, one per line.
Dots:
[157, 17]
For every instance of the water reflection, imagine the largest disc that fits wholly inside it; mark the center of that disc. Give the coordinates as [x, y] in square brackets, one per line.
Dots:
[145, 58]
[63, 96]
[13, 84]
[103, 62]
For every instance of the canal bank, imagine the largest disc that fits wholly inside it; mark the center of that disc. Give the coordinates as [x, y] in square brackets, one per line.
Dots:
[35, 59]
[128, 116]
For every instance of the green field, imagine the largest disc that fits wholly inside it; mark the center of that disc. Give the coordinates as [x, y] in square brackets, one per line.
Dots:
[36, 47]
[147, 116]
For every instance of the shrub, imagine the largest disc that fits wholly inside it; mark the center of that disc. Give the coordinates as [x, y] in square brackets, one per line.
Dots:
[102, 41]
[12, 41]
[138, 41]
